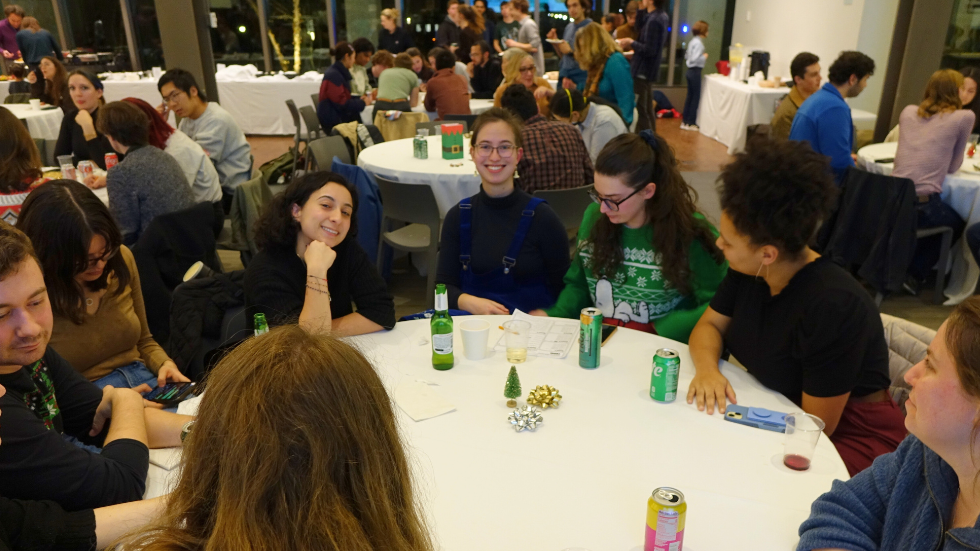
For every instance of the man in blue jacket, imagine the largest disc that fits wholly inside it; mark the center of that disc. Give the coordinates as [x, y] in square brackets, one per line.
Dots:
[648, 50]
[824, 119]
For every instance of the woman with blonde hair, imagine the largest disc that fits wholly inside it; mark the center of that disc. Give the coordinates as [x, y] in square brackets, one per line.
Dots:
[471, 31]
[930, 146]
[608, 70]
[518, 67]
[311, 461]
[393, 38]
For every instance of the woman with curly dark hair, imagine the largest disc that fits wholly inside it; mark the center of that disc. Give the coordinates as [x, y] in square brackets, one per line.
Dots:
[646, 257]
[798, 322]
[309, 268]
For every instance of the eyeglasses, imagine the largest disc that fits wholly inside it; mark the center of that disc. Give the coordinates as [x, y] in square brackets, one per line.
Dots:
[610, 204]
[526, 69]
[106, 256]
[506, 150]
[172, 97]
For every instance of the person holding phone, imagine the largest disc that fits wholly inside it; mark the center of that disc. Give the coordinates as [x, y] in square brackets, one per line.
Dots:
[798, 322]
[925, 494]
[645, 256]
[309, 268]
[99, 319]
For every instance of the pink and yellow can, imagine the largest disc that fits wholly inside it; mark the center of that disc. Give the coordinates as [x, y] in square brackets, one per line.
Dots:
[666, 513]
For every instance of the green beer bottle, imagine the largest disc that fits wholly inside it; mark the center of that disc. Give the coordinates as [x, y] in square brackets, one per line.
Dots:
[261, 327]
[442, 331]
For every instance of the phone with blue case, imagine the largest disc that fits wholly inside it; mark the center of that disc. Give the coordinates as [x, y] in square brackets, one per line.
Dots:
[759, 418]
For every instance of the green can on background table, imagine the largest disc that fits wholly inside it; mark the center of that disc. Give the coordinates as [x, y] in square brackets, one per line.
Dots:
[589, 337]
[663, 380]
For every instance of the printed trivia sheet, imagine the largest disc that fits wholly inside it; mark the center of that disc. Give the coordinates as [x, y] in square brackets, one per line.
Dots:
[550, 337]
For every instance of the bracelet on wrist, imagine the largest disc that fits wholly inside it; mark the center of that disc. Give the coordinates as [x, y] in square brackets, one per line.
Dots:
[319, 290]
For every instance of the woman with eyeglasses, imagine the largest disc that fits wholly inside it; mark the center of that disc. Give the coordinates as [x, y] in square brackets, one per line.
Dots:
[645, 257]
[94, 287]
[502, 249]
[518, 67]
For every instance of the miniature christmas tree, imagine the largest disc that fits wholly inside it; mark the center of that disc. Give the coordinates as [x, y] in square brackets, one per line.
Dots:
[512, 389]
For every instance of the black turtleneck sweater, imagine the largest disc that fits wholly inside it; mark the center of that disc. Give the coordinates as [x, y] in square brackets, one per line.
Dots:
[494, 222]
[71, 140]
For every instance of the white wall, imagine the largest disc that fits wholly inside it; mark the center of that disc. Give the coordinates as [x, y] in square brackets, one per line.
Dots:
[785, 28]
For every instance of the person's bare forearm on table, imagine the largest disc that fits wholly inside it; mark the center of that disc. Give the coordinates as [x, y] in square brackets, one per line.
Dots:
[113, 522]
[709, 387]
[163, 428]
[124, 407]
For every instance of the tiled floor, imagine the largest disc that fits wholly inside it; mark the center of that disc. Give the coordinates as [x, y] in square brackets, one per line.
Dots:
[701, 158]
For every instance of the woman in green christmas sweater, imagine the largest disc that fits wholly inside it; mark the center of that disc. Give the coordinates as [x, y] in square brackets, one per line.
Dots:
[645, 256]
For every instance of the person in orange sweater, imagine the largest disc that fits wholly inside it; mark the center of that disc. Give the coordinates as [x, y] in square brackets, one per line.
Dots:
[99, 319]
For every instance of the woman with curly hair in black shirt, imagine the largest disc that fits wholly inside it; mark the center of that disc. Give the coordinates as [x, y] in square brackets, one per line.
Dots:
[309, 267]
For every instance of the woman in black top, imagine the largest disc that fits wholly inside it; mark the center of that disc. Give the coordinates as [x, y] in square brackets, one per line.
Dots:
[78, 135]
[471, 31]
[310, 268]
[798, 322]
[501, 249]
[393, 38]
[420, 64]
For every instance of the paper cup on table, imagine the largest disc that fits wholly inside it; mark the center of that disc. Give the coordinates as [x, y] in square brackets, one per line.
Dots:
[802, 434]
[35, 104]
[476, 334]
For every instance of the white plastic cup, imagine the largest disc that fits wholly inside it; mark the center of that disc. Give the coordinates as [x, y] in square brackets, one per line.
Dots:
[35, 104]
[476, 334]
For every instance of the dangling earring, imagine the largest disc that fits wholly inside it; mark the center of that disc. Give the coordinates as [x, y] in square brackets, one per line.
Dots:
[759, 271]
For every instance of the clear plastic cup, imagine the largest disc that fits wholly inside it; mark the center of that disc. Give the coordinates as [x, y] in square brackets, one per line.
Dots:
[802, 434]
[517, 333]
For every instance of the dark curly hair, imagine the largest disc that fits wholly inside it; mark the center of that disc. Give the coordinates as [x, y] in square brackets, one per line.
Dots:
[276, 228]
[850, 63]
[777, 193]
[670, 211]
[60, 218]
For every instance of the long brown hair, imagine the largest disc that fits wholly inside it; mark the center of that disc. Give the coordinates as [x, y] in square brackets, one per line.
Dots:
[473, 19]
[963, 343]
[942, 93]
[56, 87]
[20, 161]
[295, 447]
[639, 160]
[593, 47]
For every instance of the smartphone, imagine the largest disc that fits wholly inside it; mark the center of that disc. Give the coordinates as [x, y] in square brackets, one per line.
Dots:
[607, 331]
[171, 394]
[885, 161]
[759, 418]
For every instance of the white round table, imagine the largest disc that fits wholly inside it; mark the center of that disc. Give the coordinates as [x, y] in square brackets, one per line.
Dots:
[477, 106]
[394, 161]
[43, 124]
[961, 190]
[582, 479]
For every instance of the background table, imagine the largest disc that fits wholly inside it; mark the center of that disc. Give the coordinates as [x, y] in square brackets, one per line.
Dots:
[728, 108]
[583, 477]
[394, 161]
[477, 106]
[960, 191]
[42, 124]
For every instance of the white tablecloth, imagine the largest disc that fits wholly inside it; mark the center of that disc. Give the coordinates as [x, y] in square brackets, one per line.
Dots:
[960, 191]
[728, 108]
[582, 479]
[42, 124]
[477, 106]
[394, 161]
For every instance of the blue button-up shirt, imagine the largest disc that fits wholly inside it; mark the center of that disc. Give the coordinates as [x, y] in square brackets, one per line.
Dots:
[824, 120]
[568, 66]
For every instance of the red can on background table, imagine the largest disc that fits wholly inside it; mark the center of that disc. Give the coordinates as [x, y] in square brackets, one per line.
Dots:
[111, 160]
[85, 169]
[666, 516]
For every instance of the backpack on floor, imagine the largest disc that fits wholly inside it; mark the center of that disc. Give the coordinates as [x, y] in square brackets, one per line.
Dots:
[280, 169]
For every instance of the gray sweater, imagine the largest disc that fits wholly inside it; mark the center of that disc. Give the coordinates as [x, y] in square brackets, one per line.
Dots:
[145, 184]
[222, 140]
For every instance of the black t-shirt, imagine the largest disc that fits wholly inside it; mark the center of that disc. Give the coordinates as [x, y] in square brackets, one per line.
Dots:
[275, 285]
[821, 335]
[43, 526]
[37, 463]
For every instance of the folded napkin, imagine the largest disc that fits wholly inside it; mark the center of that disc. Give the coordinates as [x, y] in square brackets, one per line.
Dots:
[420, 401]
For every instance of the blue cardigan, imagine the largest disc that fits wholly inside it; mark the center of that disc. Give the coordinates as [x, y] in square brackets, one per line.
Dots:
[616, 85]
[902, 502]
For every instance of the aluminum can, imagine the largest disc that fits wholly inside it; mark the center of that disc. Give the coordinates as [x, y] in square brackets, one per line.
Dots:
[85, 169]
[666, 514]
[589, 338]
[423, 148]
[111, 160]
[663, 380]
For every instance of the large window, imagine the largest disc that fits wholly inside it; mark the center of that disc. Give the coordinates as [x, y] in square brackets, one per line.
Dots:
[96, 33]
[146, 33]
[237, 39]
[963, 39]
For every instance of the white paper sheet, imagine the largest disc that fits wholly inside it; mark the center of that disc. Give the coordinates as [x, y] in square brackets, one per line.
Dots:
[420, 401]
[550, 337]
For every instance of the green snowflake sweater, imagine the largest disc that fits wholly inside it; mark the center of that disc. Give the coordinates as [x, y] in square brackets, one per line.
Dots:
[636, 295]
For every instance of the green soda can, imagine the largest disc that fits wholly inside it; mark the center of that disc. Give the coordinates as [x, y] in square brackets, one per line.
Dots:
[589, 338]
[663, 381]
